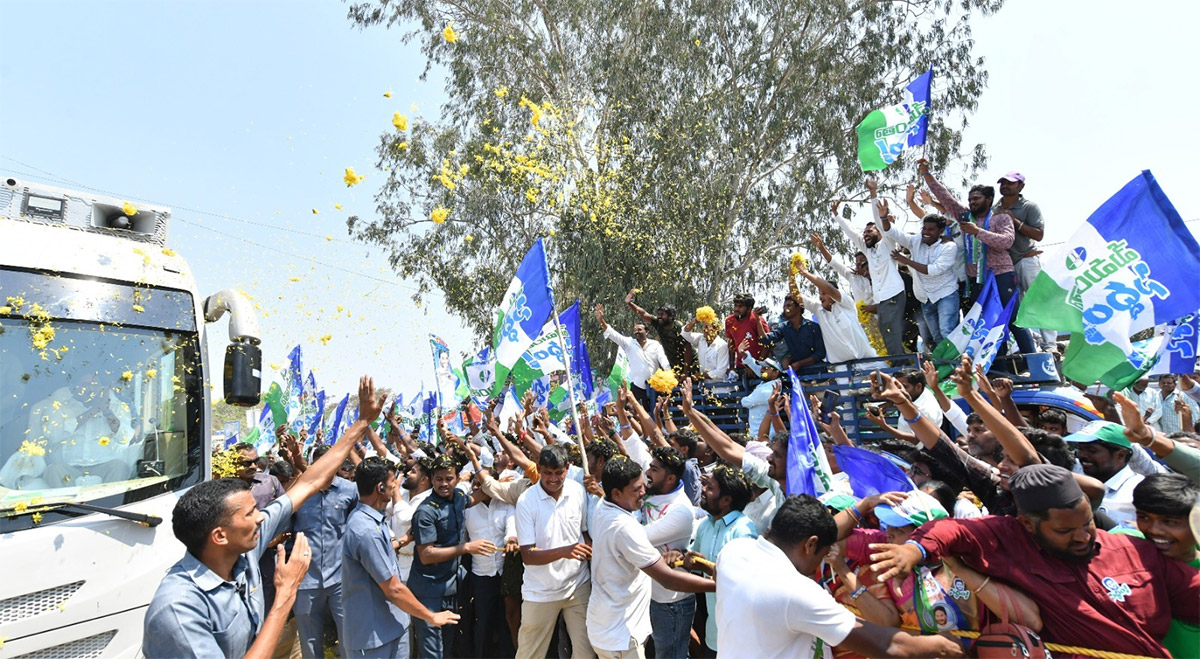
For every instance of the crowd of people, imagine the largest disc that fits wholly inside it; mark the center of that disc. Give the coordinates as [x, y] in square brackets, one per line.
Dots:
[525, 537]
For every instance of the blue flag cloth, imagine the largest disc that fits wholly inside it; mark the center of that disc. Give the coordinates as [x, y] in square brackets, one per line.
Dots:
[318, 418]
[980, 334]
[295, 377]
[580, 362]
[1177, 353]
[871, 473]
[919, 91]
[807, 467]
[527, 305]
[336, 427]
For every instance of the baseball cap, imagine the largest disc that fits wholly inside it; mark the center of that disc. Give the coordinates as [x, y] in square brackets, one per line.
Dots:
[837, 500]
[1012, 176]
[1100, 431]
[917, 509]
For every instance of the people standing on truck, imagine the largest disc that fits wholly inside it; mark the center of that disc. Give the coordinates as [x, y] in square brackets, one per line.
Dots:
[931, 259]
[742, 329]
[645, 355]
[989, 235]
[1028, 227]
[211, 602]
[842, 336]
[679, 351]
[711, 349]
[802, 339]
[887, 285]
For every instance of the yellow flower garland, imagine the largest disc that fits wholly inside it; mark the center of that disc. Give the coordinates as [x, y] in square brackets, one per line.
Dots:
[871, 326]
[663, 381]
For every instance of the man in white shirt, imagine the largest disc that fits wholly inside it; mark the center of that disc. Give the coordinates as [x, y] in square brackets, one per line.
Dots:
[414, 489]
[627, 567]
[552, 533]
[767, 606]
[91, 442]
[1148, 400]
[711, 349]
[932, 265]
[1104, 452]
[1171, 420]
[669, 517]
[645, 356]
[887, 286]
[494, 521]
[843, 334]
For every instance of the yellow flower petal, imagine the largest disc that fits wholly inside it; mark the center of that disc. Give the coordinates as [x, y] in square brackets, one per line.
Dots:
[352, 178]
[129, 209]
[439, 215]
[469, 238]
[104, 441]
[399, 121]
[294, 278]
[127, 375]
[387, 94]
[325, 339]
[448, 34]
[151, 372]
[315, 212]
[139, 308]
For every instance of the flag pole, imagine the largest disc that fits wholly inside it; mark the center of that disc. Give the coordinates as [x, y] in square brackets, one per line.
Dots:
[437, 388]
[571, 393]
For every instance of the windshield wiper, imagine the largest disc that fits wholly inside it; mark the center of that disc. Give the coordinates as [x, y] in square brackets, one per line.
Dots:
[144, 520]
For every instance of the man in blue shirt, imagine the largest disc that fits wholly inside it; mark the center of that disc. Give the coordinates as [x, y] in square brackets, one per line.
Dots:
[726, 493]
[438, 531]
[322, 519]
[805, 346]
[210, 603]
[371, 588]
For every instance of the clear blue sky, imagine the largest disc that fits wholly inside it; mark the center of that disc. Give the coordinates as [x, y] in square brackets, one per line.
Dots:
[242, 116]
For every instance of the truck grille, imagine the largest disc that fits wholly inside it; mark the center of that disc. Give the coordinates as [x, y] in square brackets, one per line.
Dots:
[32, 604]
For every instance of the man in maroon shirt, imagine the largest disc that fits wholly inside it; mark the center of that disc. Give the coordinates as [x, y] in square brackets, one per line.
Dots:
[743, 325]
[1094, 589]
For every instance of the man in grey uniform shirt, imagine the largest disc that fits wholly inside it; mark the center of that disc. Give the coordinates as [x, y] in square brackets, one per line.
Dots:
[210, 603]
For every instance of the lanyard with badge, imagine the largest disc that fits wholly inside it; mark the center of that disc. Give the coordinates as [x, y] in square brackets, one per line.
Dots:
[970, 244]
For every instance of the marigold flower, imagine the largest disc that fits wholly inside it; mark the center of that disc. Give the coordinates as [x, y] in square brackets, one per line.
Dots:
[151, 372]
[105, 441]
[399, 121]
[448, 34]
[352, 178]
[129, 209]
[797, 261]
[20, 506]
[37, 518]
[663, 381]
[32, 449]
[127, 376]
[706, 315]
[439, 215]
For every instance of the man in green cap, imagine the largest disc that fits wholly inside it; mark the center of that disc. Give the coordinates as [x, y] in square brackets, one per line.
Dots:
[1103, 452]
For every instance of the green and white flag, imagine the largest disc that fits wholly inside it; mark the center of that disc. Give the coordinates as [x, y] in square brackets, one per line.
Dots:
[527, 305]
[620, 373]
[1130, 267]
[884, 133]
[980, 334]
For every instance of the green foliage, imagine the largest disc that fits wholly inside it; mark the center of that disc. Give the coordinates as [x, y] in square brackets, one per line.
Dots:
[684, 148]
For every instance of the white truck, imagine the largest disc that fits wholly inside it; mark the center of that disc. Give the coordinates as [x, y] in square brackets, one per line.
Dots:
[105, 416]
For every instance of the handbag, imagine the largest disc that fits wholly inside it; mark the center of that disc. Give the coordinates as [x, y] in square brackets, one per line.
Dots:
[1008, 639]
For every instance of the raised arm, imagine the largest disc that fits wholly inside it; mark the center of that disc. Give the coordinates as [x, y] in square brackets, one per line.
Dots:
[650, 430]
[910, 197]
[1000, 235]
[637, 311]
[822, 285]
[320, 473]
[721, 444]
[939, 191]
[854, 237]
[820, 247]
[1015, 445]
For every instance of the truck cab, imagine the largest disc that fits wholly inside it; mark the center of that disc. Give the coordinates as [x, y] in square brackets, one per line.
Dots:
[105, 415]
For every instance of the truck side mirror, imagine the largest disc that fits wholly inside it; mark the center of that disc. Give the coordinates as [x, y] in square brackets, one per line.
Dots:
[243, 374]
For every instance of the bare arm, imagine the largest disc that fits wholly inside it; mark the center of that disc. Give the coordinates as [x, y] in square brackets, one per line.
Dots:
[399, 594]
[320, 474]
[678, 580]
[721, 444]
[1016, 446]
[534, 556]
[650, 430]
[637, 311]
[910, 196]
[1020, 608]
[822, 285]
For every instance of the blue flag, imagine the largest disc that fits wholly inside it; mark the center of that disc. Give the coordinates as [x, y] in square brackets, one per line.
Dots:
[918, 95]
[527, 305]
[980, 334]
[581, 363]
[1178, 351]
[807, 467]
[317, 418]
[871, 473]
[335, 428]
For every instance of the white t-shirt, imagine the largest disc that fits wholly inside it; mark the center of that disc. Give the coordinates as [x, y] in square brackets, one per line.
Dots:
[765, 608]
[713, 357]
[669, 519]
[927, 405]
[762, 510]
[841, 332]
[400, 515]
[547, 524]
[490, 521]
[619, 606]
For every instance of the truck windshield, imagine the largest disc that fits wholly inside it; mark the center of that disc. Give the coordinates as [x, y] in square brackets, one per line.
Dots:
[100, 395]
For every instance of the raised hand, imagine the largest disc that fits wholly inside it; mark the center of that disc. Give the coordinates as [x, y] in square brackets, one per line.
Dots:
[872, 185]
[686, 395]
[885, 387]
[922, 166]
[930, 372]
[369, 404]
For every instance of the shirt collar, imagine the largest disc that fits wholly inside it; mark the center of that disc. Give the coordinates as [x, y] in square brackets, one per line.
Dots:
[376, 515]
[205, 578]
[1120, 478]
[730, 517]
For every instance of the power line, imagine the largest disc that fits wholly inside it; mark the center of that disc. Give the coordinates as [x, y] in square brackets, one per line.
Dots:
[54, 178]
